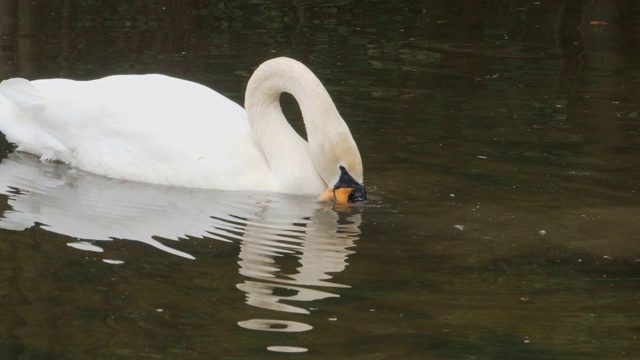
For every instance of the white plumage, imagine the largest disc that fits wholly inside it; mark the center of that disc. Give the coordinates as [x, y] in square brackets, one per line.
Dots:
[163, 130]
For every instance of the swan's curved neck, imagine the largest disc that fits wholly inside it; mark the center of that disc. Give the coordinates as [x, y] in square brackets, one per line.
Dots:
[287, 153]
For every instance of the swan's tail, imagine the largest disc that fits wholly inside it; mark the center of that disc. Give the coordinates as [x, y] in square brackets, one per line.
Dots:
[17, 100]
[21, 92]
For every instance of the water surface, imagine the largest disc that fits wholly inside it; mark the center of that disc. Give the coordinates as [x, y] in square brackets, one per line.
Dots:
[500, 143]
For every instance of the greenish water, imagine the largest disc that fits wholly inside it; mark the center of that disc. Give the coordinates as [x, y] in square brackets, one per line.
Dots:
[500, 142]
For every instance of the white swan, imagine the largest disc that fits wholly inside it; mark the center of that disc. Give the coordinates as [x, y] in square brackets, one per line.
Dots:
[163, 130]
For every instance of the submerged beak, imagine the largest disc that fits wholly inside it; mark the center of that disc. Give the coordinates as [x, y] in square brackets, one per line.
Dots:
[359, 194]
[345, 190]
[344, 195]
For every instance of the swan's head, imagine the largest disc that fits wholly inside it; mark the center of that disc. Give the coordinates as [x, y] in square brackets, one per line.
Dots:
[338, 162]
[333, 151]
[347, 189]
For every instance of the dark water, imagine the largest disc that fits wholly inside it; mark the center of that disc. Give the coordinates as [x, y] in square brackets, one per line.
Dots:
[501, 146]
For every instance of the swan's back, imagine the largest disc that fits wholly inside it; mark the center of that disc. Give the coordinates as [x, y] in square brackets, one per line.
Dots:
[150, 128]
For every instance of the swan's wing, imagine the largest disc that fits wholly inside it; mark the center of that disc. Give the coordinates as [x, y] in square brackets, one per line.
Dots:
[149, 128]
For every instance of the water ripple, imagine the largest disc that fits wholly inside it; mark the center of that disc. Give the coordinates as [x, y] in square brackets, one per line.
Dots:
[290, 247]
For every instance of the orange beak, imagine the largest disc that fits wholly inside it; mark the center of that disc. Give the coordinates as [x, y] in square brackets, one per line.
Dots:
[340, 195]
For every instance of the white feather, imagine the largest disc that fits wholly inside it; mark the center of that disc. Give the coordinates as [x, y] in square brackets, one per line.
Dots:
[164, 130]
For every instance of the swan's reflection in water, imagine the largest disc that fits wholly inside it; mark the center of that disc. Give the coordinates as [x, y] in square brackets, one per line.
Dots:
[320, 242]
[289, 246]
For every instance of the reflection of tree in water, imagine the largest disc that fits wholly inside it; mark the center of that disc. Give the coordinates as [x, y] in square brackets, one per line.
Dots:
[174, 37]
[188, 38]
